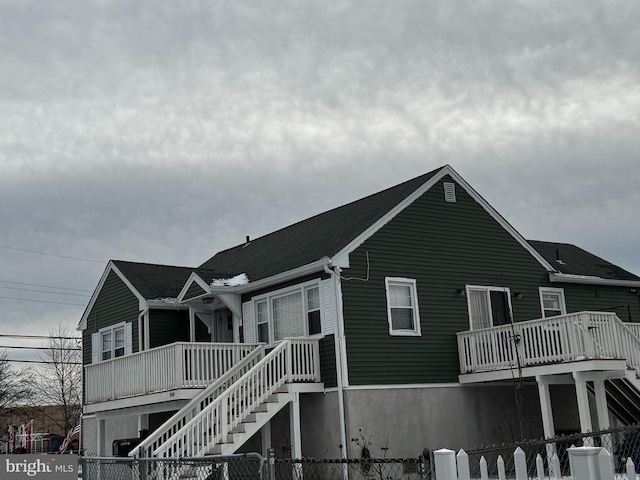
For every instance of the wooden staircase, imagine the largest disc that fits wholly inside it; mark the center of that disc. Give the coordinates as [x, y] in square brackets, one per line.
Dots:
[224, 416]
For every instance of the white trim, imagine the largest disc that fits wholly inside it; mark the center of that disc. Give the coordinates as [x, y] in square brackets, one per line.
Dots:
[488, 288]
[568, 278]
[283, 277]
[194, 277]
[111, 329]
[111, 267]
[300, 288]
[413, 291]
[554, 291]
[342, 257]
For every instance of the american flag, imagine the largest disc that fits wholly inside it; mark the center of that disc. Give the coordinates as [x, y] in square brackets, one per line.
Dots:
[70, 435]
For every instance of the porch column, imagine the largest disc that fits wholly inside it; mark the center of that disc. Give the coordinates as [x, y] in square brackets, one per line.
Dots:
[547, 417]
[143, 422]
[100, 427]
[265, 439]
[192, 325]
[296, 437]
[583, 406]
[603, 411]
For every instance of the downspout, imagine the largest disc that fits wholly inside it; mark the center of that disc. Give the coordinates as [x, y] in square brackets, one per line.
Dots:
[338, 337]
[142, 332]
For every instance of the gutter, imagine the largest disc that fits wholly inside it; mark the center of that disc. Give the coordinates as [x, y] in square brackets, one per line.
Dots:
[586, 279]
[339, 342]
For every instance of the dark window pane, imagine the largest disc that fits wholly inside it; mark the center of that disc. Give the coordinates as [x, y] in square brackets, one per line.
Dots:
[314, 322]
[402, 319]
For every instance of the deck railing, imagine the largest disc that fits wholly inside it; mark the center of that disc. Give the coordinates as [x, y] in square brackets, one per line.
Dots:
[294, 360]
[564, 338]
[174, 366]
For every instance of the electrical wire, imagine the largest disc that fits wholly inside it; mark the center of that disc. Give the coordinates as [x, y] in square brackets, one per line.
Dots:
[53, 254]
[46, 286]
[8, 335]
[41, 361]
[43, 301]
[43, 291]
[42, 348]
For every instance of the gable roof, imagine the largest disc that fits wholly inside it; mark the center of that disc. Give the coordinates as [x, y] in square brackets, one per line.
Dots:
[335, 233]
[572, 261]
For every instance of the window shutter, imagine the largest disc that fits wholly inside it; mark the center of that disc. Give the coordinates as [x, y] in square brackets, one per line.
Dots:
[248, 325]
[95, 347]
[328, 307]
[128, 339]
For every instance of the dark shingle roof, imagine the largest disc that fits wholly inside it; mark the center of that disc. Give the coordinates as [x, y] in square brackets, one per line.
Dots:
[312, 239]
[160, 281]
[576, 261]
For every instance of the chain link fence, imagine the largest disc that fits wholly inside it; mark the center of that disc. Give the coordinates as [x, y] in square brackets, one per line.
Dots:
[622, 443]
[235, 467]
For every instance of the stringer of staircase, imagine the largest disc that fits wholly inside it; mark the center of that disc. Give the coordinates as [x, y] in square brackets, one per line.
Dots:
[197, 404]
[240, 410]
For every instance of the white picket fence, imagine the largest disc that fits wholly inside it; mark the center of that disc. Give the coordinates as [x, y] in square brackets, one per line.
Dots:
[586, 463]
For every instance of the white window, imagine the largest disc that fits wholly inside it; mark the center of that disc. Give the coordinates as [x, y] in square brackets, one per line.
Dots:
[488, 306]
[552, 302]
[402, 306]
[290, 313]
[111, 342]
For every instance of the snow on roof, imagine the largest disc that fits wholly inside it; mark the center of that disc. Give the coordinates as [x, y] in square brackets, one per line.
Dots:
[236, 281]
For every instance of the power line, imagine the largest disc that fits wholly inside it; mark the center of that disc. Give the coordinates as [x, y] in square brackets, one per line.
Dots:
[39, 336]
[40, 361]
[46, 286]
[53, 254]
[40, 348]
[43, 301]
[44, 291]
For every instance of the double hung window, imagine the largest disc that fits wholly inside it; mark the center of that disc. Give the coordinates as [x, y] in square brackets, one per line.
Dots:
[552, 302]
[292, 313]
[111, 342]
[402, 306]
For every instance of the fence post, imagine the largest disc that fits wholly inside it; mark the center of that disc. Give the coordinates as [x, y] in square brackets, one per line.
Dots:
[142, 467]
[520, 461]
[271, 464]
[462, 460]
[445, 463]
[585, 464]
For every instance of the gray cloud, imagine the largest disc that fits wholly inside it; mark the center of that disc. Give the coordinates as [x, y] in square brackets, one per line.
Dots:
[163, 131]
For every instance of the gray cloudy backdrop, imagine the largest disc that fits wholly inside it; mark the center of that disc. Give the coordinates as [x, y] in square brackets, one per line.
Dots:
[163, 131]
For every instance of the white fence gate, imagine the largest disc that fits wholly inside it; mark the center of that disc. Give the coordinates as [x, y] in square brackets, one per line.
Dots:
[587, 463]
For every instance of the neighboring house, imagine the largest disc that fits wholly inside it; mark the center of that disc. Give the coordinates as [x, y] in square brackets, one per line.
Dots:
[349, 325]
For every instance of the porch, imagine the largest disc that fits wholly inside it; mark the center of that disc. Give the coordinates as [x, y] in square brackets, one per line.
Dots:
[595, 351]
[182, 369]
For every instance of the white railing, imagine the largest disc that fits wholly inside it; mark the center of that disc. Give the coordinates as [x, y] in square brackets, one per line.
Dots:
[634, 327]
[178, 365]
[549, 340]
[195, 406]
[294, 360]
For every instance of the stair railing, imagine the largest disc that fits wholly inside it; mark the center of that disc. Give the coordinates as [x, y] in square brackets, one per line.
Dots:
[294, 359]
[200, 401]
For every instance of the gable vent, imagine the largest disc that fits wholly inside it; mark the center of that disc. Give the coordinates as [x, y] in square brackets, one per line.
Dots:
[449, 192]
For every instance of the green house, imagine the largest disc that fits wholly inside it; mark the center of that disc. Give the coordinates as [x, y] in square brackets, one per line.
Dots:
[416, 317]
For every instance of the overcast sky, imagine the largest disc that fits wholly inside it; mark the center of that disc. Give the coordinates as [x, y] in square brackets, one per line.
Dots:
[162, 131]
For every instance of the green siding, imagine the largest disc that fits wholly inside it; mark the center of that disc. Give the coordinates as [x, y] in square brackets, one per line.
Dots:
[168, 326]
[115, 304]
[328, 361]
[599, 298]
[444, 246]
[194, 290]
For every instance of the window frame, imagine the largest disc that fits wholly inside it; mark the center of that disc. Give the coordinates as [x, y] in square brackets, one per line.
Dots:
[488, 289]
[413, 295]
[112, 330]
[269, 297]
[552, 291]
